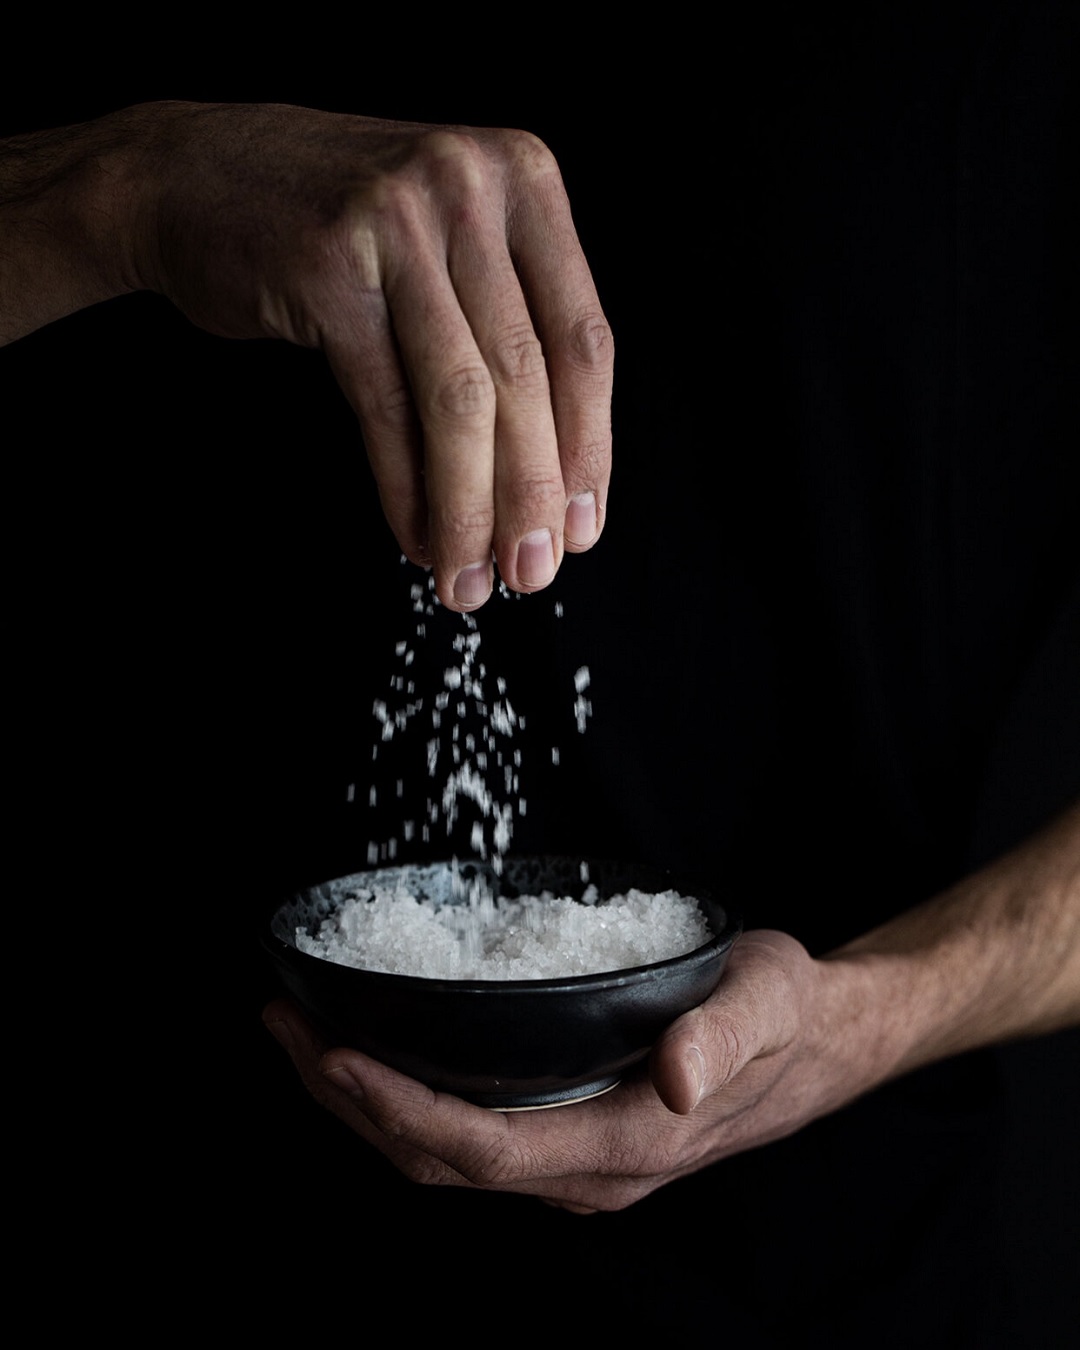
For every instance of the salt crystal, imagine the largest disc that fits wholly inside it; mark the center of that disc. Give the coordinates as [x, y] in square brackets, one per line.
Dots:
[484, 938]
[480, 748]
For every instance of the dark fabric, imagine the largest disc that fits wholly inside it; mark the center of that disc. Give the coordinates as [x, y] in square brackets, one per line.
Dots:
[832, 629]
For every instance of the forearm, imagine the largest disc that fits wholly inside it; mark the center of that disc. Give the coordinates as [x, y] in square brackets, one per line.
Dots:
[995, 958]
[67, 219]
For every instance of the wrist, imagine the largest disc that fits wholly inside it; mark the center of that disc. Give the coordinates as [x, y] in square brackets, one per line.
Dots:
[887, 1009]
[70, 210]
[993, 959]
[867, 1023]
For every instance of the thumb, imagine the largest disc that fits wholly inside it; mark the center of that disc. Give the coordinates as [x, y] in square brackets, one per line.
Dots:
[751, 1013]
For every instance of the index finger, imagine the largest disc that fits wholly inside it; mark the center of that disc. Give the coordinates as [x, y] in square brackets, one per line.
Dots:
[438, 1139]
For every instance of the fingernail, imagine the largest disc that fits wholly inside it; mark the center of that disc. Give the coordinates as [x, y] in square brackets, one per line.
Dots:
[536, 559]
[696, 1060]
[344, 1079]
[580, 527]
[472, 586]
[281, 1032]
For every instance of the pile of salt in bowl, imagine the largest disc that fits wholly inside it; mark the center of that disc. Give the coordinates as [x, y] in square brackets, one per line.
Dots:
[483, 937]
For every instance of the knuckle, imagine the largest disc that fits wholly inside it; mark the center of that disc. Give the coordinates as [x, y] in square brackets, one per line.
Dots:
[518, 358]
[455, 533]
[477, 520]
[389, 198]
[352, 248]
[466, 393]
[590, 345]
[527, 152]
[539, 493]
[454, 144]
[590, 462]
[529, 501]
[454, 156]
[389, 406]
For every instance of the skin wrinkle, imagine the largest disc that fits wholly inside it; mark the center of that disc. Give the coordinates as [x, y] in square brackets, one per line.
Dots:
[391, 406]
[494, 1167]
[463, 394]
[517, 359]
[589, 339]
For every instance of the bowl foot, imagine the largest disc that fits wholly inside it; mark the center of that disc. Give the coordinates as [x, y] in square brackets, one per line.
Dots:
[582, 1094]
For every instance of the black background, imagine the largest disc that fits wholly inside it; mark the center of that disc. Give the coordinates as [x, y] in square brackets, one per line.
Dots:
[832, 628]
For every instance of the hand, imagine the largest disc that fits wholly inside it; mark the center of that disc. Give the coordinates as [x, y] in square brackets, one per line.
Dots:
[751, 1065]
[439, 270]
[784, 1039]
[437, 267]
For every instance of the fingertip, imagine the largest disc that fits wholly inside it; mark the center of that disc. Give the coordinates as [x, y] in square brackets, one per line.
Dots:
[536, 563]
[278, 1012]
[281, 1033]
[340, 1073]
[419, 555]
[472, 587]
[277, 1018]
[275, 1010]
[679, 1077]
[582, 524]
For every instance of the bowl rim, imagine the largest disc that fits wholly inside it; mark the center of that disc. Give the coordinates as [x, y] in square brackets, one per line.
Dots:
[628, 975]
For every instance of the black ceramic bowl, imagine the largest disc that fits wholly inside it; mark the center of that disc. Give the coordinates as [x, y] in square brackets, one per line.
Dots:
[506, 1044]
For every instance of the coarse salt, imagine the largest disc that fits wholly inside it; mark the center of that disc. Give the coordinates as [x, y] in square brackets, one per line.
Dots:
[527, 938]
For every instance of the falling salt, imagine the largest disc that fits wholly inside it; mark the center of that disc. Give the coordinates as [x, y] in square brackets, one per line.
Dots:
[472, 767]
